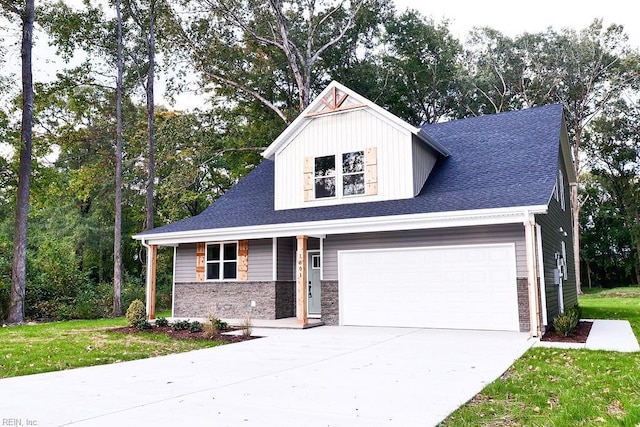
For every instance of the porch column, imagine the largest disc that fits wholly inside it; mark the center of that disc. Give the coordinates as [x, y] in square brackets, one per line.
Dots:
[532, 275]
[152, 257]
[301, 280]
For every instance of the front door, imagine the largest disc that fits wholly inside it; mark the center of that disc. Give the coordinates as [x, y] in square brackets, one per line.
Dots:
[313, 283]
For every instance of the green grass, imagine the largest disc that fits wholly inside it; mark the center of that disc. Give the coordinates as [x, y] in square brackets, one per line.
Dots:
[555, 387]
[55, 346]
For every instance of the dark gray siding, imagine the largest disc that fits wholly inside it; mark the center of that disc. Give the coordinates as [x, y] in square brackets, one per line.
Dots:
[261, 260]
[185, 263]
[423, 238]
[286, 258]
[550, 225]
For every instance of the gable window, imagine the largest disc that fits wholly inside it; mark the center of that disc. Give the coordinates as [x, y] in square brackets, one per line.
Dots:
[325, 176]
[353, 173]
[561, 189]
[222, 261]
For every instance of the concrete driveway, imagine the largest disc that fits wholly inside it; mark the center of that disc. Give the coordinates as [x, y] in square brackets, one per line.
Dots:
[326, 376]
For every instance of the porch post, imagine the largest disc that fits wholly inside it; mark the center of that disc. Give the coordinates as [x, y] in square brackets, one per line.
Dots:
[152, 257]
[301, 280]
[532, 275]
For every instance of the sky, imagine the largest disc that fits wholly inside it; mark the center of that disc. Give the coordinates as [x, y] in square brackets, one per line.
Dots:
[516, 17]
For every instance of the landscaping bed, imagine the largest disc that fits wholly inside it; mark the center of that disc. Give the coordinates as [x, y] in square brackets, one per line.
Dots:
[185, 334]
[581, 335]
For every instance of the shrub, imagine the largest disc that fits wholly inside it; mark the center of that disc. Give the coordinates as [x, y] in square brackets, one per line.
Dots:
[181, 325]
[143, 325]
[564, 325]
[195, 327]
[246, 327]
[136, 312]
[162, 322]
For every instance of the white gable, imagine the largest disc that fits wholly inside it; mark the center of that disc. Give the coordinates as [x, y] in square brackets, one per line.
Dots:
[368, 154]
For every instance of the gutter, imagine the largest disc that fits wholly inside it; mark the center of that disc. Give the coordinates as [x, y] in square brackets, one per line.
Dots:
[348, 226]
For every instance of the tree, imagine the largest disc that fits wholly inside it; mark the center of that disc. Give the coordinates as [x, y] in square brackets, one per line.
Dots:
[614, 149]
[117, 228]
[271, 51]
[585, 71]
[19, 266]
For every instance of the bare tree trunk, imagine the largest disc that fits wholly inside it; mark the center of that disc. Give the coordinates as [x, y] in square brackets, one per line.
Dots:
[19, 267]
[151, 165]
[576, 206]
[117, 230]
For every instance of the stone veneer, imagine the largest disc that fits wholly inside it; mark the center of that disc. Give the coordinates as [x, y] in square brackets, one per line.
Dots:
[523, 304]
[232, 300]
[329, 302]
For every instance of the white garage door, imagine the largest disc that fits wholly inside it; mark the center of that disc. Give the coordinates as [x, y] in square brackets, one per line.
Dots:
[458, 287]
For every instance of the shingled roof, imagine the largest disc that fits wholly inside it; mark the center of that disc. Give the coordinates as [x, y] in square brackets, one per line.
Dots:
[496, 161]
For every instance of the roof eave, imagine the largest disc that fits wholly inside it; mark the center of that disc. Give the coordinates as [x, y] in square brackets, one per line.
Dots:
[354, 225]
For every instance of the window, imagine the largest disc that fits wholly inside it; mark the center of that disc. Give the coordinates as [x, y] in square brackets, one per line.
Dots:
[560, 186]
[222, 261]
[353, 173]
[325, 176]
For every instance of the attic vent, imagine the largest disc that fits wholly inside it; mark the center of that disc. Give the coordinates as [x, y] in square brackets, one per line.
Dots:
[335, 100]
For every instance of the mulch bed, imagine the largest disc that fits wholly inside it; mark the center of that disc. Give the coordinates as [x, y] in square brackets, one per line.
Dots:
[580, 336]
[187, 335]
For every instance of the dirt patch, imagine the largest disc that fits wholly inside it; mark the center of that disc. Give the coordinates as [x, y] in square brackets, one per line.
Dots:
[187, 335]
[580, 336]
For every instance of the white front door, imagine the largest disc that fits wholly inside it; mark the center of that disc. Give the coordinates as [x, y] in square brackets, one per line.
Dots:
[313, 283]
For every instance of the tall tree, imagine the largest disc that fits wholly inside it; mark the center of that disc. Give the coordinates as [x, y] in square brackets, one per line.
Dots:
[613, 146]
[117, 229]
[584, 71]
[267, 51]
[145, 18]
[19, 266]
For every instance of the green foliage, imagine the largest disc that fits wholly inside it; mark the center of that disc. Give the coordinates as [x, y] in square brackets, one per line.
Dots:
[143, 325]
[221, 325]
[162, 322]
[181, 325]
[567, 323]
[195, 326]
[136, 312]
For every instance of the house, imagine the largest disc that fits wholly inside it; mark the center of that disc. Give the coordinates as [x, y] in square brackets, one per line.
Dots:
[356, 217]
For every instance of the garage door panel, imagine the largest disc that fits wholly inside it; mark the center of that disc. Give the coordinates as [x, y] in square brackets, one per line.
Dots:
[468, 287]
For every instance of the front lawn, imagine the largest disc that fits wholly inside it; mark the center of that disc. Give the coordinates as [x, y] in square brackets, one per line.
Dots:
[554, 387]
[32, 349]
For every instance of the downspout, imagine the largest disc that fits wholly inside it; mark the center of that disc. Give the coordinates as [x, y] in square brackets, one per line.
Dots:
[530, 243]
[147, 302]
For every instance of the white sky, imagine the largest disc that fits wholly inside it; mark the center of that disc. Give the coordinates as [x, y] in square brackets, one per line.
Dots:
[515, 17]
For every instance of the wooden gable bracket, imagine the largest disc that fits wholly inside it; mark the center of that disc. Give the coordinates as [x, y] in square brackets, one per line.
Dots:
[334, 102]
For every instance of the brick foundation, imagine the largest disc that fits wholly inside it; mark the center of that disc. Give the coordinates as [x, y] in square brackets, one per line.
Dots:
[232, 300]
[329, 302]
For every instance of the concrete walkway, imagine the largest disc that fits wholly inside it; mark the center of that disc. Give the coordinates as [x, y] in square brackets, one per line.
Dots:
[611, 335]
[327, 376]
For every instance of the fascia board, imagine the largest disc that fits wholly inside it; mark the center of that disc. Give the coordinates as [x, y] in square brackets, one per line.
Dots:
[355, 225]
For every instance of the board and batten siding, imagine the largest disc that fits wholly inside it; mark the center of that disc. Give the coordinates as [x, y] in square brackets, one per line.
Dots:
[344, 132]
[261, 260]
[185, 263]
[512, 233]
[423, 162]
[550, 225]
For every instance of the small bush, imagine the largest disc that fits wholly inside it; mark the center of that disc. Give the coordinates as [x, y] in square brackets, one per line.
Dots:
[136, 312]
[567, 323]
[246, 327]
[195, 327]
[143, 325]
[181, 325]
[221, 325]
[162, 322]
